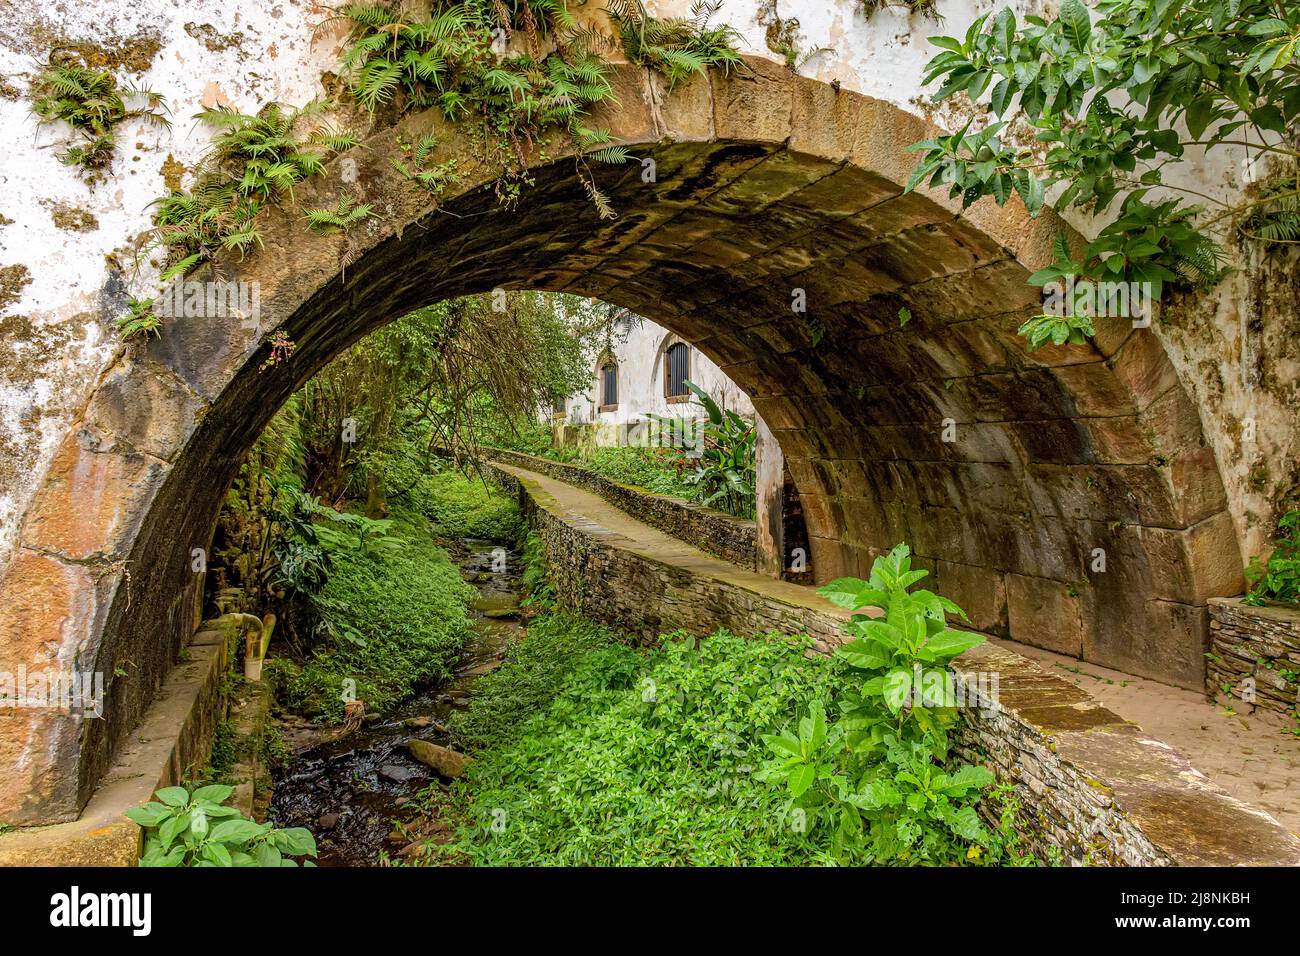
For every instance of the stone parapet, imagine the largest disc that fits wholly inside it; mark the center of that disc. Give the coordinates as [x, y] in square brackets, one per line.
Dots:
[170, 745]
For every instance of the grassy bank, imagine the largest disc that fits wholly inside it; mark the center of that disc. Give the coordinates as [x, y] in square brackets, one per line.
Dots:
[465, 506]
[393, 616]
[600, 754]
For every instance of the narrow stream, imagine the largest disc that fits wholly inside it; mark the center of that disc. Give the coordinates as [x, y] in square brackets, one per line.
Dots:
[349, 790]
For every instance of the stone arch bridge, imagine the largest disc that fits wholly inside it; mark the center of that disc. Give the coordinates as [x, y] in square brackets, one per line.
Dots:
[764, 183]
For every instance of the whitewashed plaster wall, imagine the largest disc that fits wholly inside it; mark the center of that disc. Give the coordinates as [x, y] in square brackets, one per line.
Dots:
[639, 351]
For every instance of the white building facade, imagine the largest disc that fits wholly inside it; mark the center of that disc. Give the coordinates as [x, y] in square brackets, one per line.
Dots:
[641, 372]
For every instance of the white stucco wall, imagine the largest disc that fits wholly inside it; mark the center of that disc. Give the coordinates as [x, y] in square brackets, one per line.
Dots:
[58, 327]
[638, 347]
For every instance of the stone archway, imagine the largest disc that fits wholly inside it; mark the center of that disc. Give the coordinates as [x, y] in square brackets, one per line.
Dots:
[763, 184]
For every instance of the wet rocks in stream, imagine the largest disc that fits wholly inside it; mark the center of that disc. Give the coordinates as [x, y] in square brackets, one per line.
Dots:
[356, 791]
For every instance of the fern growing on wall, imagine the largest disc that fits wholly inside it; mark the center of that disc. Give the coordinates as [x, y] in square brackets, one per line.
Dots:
[1274, 218]
[345, 214]
[677, 47]
[92, 103]
[253, 160]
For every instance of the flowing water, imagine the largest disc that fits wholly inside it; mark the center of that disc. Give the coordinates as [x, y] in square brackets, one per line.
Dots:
[349, 790]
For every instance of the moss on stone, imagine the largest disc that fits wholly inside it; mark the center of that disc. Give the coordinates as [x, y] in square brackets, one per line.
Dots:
[13, 279]
[73, 219]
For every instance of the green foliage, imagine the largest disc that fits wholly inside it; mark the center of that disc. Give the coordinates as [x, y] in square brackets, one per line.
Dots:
[676, 47]
[391, 618]
[653, 469]
[511, 103]
[461, 506]
[724, 474]
[433, 177]
[140, 319]
[1275, 216]
[535, 670]
[225, 750]
[345, 214]
[880, 779]
[536, 580]
[925, 7]
[253, 161]
[593, 754]
[639, 759]
[92, 103]
[186, 827]
[1278, 578]
[1105, 101]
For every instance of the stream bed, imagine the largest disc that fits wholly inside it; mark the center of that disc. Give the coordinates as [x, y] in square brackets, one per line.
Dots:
[349, 790]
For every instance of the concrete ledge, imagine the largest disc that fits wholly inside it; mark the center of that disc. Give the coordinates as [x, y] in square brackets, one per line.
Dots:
[172, 742]
[1090, 783]
[723, 536]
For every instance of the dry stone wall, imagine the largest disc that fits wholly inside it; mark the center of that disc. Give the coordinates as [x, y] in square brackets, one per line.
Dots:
[1254, 655]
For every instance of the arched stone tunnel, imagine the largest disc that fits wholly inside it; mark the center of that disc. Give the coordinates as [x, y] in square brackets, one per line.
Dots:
[768, 189]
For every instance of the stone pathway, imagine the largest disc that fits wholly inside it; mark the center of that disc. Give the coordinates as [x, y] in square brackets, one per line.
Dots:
[1252, 758]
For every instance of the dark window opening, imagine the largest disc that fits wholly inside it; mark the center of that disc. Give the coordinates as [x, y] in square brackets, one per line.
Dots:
[608, 385]
[677, 370]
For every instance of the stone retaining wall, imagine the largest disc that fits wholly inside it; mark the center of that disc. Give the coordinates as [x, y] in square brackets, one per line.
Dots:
[1089, 783]
[732, 539]
[170, 745]
[1254, 654]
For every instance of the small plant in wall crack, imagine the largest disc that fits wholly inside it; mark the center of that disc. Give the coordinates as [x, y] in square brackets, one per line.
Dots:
[457, 57]
[92, 103]
[345, 214]
[139, 320]
[924, 7]
[1277, 578]
[676, 47]
[419, 168]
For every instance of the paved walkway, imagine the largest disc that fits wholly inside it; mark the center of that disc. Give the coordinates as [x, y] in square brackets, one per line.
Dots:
[1252, 758]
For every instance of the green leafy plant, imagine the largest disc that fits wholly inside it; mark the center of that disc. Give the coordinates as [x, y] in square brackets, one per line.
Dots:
[1104, 101]
[433, 177]
[675, 46]
[510, 103]
[925, 7]
[140, 319]
[1278, 578]
[345, 214]
[253, 161]
[185, 827]
[724, 474]
[880, 776]
[92, 103]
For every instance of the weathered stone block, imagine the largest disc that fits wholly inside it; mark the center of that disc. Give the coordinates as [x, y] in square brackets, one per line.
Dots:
[1042, 613]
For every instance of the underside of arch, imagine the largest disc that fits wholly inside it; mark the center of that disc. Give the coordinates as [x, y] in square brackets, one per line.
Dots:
[766, 191]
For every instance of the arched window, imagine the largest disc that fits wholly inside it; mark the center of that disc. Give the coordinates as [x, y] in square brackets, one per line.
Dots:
[608, 386]
[677, 370]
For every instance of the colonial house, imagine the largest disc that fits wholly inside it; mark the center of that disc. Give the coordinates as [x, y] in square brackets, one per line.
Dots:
[642, 371]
